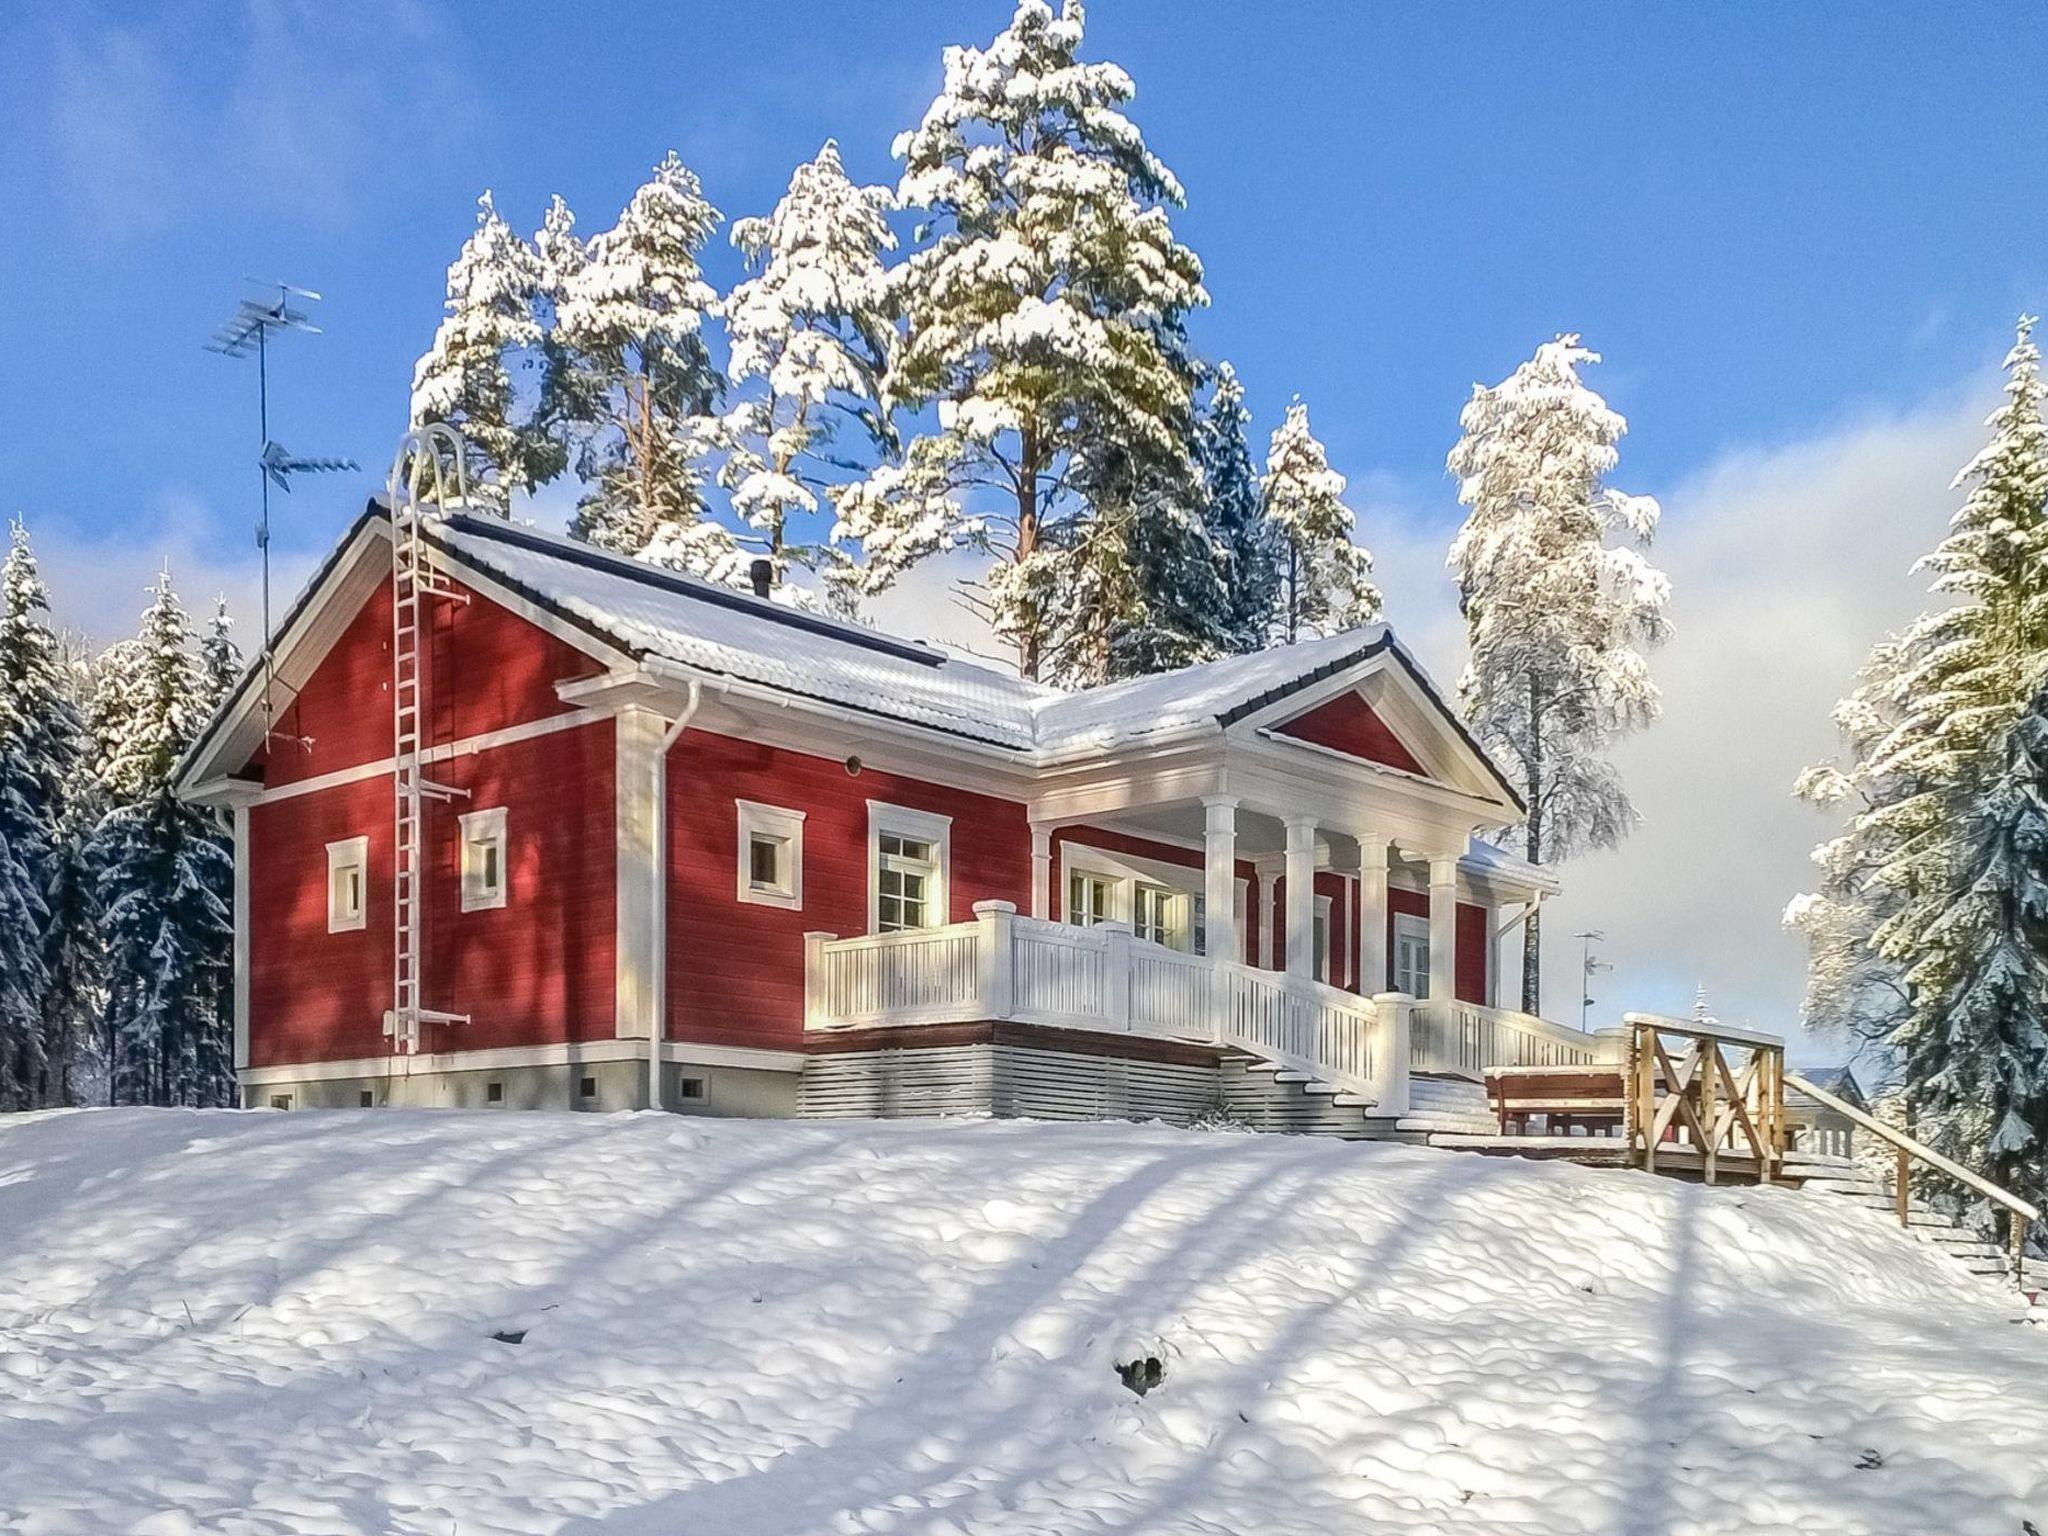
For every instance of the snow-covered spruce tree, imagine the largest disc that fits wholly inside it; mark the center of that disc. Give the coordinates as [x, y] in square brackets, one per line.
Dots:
[567, 393]
[640, 381]
[1903, 947]
[1042, 313]
[32, 734]
[1247, 545]
[809, 337]
[465, 377]
[1136, 586]
[1558, 620]
[1325, 579]
[166, 883]
[1974, 1048]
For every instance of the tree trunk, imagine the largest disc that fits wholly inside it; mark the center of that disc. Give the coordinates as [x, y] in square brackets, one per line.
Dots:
[1029, 642]
[1532, 930]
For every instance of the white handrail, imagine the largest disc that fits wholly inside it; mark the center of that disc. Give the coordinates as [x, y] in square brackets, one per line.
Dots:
[1921, 1150]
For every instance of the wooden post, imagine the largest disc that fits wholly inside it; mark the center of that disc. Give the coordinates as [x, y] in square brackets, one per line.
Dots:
[817, 1012]
[1646, 1089]
[1116, 974]
[1710, 1086]
[2019, 1249]
[1393, 1047]
[1905, 1190]
[996, 980]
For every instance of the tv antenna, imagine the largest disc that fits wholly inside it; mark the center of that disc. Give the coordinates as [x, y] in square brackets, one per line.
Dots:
[248, 331]
[1588, 968]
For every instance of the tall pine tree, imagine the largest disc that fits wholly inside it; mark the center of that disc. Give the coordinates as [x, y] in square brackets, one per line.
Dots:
[809, 340]
[1246, 542]
[32, 740]
[166, 883]
[1924, 901]
[465, 377]
[1325, 579]
[1043, 317]
[1557, 619]
[638, 378]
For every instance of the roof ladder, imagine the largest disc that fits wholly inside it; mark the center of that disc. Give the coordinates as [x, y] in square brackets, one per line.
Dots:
[428, 459]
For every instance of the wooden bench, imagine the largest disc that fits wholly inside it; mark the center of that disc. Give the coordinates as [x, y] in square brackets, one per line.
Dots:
[1566, 1097]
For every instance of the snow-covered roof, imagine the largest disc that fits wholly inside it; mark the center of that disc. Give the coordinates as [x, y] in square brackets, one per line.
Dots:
[1483, 858]
[650, 611]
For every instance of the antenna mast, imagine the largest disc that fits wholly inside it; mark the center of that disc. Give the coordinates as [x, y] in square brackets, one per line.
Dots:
[246, 331]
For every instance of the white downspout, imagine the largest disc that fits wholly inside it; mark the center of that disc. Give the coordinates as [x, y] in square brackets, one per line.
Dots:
[658, 1013]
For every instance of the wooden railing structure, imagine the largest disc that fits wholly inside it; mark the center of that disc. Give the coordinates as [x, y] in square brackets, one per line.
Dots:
[1006, 967]
[2021, 1214]
[1719, 1098]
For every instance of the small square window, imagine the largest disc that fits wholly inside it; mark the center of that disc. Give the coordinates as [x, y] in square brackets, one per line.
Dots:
[587, 1088]
[691, 1088]
[347, 872]
[771, 861]
[366, 1099]
[483, 860]
[494, 1093]
[280, 1101]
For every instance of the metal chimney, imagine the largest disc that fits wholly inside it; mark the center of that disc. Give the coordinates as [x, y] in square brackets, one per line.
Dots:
[762, 574]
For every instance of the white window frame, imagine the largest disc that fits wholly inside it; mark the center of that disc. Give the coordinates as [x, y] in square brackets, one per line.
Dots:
[1099, 877]
[477, 827]
[778, 824]
[1125, 872]
[917, 826]
[349, 853]
[1407, 925]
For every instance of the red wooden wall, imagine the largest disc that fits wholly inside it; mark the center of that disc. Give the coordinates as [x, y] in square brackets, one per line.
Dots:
[539, 969]
[736, 974]
[1353, 727]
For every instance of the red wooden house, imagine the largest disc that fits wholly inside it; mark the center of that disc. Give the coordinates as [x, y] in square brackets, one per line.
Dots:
[558, 828]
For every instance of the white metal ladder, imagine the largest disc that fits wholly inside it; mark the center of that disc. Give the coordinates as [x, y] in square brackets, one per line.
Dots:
[428, 459]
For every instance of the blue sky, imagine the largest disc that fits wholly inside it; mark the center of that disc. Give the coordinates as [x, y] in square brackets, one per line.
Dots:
[1799, 234]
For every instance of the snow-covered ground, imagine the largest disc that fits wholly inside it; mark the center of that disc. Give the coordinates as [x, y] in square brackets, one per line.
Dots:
[284, 1323]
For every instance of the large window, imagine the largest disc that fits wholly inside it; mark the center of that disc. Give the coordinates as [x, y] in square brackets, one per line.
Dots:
[347, 875]
[771, 856]
[1090, 898]
[908, 868]
[1153, 910]
[483, 859]
[1411, 955]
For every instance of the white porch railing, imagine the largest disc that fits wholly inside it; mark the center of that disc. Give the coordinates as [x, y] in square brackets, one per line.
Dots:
[1004, 967]
[1464, 1039]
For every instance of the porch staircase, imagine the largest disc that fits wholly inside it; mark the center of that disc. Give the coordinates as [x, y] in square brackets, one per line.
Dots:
[1272, 1097]
[1845, 1180]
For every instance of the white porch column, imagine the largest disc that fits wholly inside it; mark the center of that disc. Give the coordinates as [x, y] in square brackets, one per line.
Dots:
[1219, 878]
[1041, 869]
[636, 740]
[1372, 913]
[1301, 896]
[1269, 915]
[1443, 928]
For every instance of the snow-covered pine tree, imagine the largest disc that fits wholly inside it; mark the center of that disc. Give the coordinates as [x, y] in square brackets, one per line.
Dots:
[166, 882]
[809, 337]
[631, 323]
[1558, 620]
[1247, 545]
[1135, 587]
[1325, 579]
[31, 810]
[465, 377]
[1974, 1048]
[567, 394]
[1905, 948]
[220, 659]
[1044, 313]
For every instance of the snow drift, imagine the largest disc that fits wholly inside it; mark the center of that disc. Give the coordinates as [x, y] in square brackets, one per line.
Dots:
[306, 1323]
